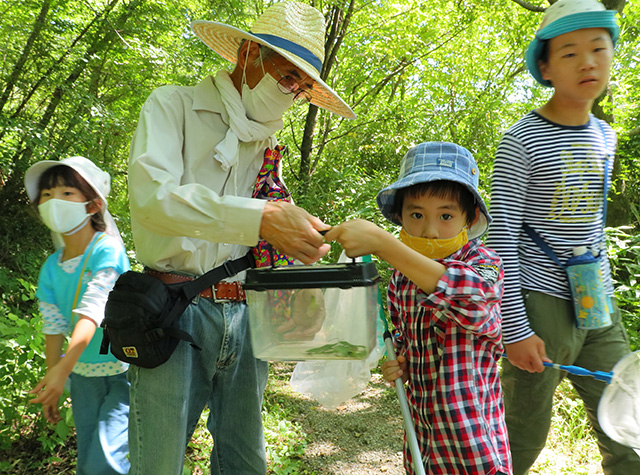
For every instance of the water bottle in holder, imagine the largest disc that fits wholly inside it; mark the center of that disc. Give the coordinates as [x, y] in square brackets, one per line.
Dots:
[590, 301]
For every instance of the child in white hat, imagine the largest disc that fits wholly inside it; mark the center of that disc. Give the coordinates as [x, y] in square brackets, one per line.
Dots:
[73, 286]
[444, 300]
[550, 179]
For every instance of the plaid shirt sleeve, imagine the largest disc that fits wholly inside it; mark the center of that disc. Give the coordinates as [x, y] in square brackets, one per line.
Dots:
[469, 289]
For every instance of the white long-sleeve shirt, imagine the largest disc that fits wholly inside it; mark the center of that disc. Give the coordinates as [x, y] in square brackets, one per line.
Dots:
[187, 213]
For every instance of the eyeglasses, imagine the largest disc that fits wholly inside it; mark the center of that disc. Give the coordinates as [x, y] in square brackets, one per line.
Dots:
[288, 85]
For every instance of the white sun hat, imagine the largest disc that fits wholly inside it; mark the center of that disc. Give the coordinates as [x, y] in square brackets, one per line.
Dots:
[295, 31]
[98, 179]
[566, 16]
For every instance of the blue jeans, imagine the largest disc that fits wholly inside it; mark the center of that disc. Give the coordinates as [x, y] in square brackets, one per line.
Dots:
[101, 415]
[167, 401]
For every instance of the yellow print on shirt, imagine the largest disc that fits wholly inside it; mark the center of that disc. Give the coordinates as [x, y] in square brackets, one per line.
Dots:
[573, 201]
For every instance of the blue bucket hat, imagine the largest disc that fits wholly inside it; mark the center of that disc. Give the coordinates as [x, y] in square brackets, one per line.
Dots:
[435, 161]
[566, 16]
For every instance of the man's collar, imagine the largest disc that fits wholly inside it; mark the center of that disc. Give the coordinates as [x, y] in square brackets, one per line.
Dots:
[207, 97]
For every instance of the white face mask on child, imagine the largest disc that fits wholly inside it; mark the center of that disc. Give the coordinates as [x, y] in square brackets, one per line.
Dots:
[62, 216]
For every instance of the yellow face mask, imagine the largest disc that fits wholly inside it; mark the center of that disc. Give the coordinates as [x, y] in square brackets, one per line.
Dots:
[435, 248]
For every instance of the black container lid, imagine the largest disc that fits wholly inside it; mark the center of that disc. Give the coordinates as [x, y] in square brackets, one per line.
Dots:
[343, 276]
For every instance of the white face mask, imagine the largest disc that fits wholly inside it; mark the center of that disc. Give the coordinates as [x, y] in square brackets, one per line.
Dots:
[265, 102]
[62, 216]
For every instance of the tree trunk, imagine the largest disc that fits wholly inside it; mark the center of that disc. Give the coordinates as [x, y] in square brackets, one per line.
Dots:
[17, 68]
[336, 31]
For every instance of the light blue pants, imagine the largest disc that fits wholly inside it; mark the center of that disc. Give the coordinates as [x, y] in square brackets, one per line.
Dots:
[528, 397]
[101, 415]
[167, 401]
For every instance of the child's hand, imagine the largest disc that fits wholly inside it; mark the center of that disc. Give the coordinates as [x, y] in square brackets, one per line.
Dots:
[392, 370]
[528, 354]
[49, 390]
[357, 237]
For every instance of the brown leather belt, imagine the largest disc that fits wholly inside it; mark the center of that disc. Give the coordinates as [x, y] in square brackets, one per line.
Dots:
[220, 292]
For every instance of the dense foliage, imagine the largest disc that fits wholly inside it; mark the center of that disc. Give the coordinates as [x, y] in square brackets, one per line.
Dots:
[75, 74]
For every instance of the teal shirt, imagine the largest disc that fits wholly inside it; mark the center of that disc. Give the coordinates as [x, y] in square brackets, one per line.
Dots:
[58, 287]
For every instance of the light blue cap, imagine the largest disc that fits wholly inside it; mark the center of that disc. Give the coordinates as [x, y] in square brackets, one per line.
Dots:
[435, 161]
[566, 16]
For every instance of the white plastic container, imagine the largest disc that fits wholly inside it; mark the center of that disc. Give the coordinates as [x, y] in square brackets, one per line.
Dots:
[319, 312]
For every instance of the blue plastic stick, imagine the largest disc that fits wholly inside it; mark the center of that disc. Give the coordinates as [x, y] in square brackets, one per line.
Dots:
[605, 376]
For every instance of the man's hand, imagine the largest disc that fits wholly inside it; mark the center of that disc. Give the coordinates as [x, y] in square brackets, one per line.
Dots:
[293, 231]
[528, 354]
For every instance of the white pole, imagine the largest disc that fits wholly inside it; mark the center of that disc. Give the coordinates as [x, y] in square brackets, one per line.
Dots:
[406, 415]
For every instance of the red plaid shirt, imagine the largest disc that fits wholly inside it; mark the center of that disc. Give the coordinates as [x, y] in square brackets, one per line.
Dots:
[452, 341]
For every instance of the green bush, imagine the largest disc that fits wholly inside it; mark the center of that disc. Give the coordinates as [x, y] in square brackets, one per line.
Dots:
[22, 354]
[624, 249]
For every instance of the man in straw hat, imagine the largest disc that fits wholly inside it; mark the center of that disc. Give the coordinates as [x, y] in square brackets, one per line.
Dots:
[194, 160]
[549, 186]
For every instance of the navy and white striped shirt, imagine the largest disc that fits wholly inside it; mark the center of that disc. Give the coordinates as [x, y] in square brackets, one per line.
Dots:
[551, 177]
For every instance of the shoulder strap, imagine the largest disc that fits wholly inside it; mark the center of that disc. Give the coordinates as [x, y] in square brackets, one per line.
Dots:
[85, 259]
[606, 172]
[541, 244]
[227, 269]
[189, 290]
[535, 237]
[84, 265]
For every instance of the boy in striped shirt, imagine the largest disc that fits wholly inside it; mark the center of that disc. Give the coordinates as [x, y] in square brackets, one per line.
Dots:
[549, 173]
[444, 300]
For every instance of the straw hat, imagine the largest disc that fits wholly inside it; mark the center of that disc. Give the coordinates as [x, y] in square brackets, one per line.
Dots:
[566, 16]
[435, 161]
[292, 29]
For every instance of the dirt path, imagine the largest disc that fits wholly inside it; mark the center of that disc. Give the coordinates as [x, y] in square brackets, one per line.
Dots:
[363, 436]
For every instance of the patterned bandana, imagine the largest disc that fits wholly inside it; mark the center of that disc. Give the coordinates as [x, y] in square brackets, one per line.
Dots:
[435, 248]
[270, 187]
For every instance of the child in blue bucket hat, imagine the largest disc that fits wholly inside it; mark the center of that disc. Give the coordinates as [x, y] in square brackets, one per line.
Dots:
[550, 176]
[444, 301]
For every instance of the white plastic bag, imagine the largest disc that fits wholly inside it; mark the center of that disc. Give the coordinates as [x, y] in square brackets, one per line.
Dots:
[333, 382]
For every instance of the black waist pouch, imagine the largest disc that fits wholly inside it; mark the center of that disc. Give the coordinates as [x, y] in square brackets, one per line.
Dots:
[141, 323]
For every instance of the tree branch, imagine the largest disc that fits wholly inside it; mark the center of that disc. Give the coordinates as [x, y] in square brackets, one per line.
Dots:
[529, 6]
[633, 132]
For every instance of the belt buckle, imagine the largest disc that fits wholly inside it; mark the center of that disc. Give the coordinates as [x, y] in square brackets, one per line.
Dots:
[224, 299]
[214, 291]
